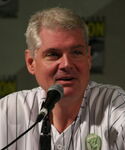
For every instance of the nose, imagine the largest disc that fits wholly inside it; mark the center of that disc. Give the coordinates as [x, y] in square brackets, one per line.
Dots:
[66, 62]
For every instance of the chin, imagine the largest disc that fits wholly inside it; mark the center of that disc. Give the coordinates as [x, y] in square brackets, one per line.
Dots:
[69, 91]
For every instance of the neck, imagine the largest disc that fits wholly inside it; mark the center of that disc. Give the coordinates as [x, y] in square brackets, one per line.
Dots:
[64, 114]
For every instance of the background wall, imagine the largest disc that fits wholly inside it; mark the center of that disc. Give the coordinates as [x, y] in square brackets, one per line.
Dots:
[114, 69]
[12, 40]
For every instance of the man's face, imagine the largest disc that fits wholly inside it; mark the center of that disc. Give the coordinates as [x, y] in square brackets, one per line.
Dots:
[63, 58]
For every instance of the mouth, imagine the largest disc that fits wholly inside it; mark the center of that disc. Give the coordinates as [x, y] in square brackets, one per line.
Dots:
[65, 79]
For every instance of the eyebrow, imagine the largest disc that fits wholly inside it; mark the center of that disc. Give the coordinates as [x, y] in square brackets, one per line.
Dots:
[55, 49]
[78, 46]
[49, 50]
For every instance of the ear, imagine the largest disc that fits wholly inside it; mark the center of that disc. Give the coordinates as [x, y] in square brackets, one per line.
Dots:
[89, 57]
[30, 62]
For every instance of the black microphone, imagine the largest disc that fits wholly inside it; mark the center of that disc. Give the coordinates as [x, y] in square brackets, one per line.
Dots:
[54, 94]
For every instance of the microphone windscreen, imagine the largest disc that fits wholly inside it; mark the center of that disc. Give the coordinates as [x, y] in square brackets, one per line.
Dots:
[58, 88]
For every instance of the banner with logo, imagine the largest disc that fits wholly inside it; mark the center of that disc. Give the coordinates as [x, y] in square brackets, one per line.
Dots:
[96, 27]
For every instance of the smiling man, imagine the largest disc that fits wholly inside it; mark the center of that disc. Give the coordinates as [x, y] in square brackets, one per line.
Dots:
[58, 53]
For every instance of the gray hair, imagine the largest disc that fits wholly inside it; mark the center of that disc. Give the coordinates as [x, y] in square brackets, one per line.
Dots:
[52, 18]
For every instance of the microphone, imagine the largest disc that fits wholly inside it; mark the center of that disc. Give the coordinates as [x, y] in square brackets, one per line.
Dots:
[54, 94]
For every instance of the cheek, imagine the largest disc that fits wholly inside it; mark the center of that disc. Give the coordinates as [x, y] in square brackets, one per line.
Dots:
[84, 66]
[84, 70]
[46, 70]
[50, 68]
[44, 76]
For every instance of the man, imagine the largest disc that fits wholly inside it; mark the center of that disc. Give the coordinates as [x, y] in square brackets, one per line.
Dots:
[58, 53]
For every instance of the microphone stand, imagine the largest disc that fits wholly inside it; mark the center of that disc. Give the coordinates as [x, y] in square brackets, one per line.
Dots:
[45, 137]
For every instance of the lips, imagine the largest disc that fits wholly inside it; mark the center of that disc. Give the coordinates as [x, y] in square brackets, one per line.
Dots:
[65, 78]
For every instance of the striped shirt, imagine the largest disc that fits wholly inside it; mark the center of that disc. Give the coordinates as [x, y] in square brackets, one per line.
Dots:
[102, 112]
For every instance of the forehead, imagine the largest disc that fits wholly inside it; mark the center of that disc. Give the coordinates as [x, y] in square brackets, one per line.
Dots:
[61, 36]
[63, 33]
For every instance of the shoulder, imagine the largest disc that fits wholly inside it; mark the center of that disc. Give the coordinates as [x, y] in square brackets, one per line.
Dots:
[106, 88]
[22, 93]
[23, 96]
[106, 93]
[107, 102]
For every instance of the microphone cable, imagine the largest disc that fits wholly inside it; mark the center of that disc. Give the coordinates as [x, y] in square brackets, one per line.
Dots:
[19, 136]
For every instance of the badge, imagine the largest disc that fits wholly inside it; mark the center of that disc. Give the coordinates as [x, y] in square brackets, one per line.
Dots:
[93, 142]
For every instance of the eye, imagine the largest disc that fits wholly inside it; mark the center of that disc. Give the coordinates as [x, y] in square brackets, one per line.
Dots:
[78, 52]
[52, 55]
